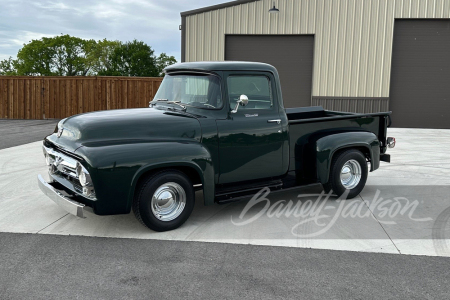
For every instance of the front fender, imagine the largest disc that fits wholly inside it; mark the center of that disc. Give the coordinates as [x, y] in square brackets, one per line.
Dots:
[327, 146]
[116, 169]
[205, 172]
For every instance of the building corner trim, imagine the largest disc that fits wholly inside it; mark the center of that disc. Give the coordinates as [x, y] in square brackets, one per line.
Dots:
[183, 38]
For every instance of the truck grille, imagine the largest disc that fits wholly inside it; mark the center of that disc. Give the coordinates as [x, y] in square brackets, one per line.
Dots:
[63, 169]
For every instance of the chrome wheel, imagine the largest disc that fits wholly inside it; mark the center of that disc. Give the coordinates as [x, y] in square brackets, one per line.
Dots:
[168, 201]
[350, 174]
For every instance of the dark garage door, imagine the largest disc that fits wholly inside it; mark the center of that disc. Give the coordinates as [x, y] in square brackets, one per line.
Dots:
[420, 84]
[292, 55]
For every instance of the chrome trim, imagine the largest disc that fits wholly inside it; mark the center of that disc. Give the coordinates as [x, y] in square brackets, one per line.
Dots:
[350, 174]
[77, 189]
[62, 162]
[80, 170]
[390, 141]
[73, 207]
[278, 121]
[168, 201]
[153, 103]
[243, 100]
[64, 170]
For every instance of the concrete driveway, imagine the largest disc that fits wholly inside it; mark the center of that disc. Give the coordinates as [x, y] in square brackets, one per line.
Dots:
[402, 209]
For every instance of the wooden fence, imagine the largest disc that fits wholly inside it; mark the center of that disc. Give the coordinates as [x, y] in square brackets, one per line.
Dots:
[60, 97]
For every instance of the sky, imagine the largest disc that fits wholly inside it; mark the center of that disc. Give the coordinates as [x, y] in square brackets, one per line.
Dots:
[154, 22]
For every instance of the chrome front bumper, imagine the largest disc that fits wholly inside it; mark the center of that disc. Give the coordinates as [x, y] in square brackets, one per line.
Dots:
[73, 207]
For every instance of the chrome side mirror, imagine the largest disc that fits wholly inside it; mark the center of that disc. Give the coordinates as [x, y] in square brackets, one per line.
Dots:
[243, 100]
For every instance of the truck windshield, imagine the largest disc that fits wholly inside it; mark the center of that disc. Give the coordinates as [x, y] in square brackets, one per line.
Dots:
[201, 91]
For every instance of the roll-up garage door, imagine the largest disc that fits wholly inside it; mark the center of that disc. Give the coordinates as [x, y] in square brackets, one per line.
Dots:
[420, 78]
[292, 55]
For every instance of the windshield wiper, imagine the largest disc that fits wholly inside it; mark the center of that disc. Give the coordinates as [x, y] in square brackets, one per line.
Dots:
[152, 103]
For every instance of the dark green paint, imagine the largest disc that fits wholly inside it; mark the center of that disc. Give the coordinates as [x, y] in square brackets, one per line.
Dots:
[327, 146]
[247, 141]
[118, 147]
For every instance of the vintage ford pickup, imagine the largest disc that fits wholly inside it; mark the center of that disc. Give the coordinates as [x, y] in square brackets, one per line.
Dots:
[216, 126]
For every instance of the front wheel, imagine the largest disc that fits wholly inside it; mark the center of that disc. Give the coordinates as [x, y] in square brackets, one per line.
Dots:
[164, 200]
[348, 172]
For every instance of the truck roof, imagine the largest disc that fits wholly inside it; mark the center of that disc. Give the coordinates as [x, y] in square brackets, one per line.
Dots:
[221, 66]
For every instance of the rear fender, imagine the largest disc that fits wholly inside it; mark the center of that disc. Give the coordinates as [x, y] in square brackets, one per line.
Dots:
[326, 148]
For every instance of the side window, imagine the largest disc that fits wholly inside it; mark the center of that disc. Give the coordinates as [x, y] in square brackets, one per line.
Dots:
[257, 88]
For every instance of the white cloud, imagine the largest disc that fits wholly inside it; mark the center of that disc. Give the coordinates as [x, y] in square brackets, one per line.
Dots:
[24, 37]
[153, 21]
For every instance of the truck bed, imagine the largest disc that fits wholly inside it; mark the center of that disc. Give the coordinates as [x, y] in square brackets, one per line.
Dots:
[306, 124]
[317, 113]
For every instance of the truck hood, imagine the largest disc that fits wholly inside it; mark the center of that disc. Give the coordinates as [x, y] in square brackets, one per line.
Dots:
[123, 126]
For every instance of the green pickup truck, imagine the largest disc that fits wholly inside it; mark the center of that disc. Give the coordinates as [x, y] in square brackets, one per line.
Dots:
[219, 127]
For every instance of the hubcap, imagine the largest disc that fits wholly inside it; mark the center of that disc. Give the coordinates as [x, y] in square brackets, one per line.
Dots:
[350, 174]
[168, 201]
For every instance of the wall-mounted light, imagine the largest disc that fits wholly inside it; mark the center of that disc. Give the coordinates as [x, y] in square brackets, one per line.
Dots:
[274, 10]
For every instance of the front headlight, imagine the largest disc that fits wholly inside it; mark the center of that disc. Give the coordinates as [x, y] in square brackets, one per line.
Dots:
[83, 175]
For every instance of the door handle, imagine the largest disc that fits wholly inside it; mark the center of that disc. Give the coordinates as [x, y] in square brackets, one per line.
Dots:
[278, 121]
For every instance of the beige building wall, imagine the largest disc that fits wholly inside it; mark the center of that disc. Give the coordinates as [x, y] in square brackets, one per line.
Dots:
[353, 38]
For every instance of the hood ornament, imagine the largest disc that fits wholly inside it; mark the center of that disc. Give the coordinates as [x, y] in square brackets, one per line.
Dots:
[60, 131]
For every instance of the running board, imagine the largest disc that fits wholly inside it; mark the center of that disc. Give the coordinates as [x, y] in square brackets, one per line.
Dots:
[243, 197]
[229, 195]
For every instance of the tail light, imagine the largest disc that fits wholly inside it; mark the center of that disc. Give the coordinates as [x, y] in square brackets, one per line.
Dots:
[390, 142]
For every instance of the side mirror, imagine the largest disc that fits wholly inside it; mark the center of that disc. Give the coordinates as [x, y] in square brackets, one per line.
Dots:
[243, 100]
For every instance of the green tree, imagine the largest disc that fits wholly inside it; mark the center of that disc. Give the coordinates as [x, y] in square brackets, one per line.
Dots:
[134, 58]
[7, 67]
[163, 61]
[71, 55]
[101, 56]
[35, 58]
[62, 55]
[65, 55]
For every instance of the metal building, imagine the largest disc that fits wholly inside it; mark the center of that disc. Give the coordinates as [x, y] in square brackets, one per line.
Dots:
[348, 55]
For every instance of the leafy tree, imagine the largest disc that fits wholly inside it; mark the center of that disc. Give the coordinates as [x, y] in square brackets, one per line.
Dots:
[62, 55]
[35, 58]
[7, 67]
[163, 61]
[71, 55]
[132, 59]
[101, 56]
[65, 55]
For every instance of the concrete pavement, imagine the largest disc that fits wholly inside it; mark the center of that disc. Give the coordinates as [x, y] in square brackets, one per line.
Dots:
[420, 171]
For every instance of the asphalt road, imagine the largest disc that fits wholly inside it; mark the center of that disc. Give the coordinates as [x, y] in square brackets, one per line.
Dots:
[19, 132]
[58, 267]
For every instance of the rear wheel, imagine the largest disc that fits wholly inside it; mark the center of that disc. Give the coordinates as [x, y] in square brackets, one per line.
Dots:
[164, 200]
[348, 172]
